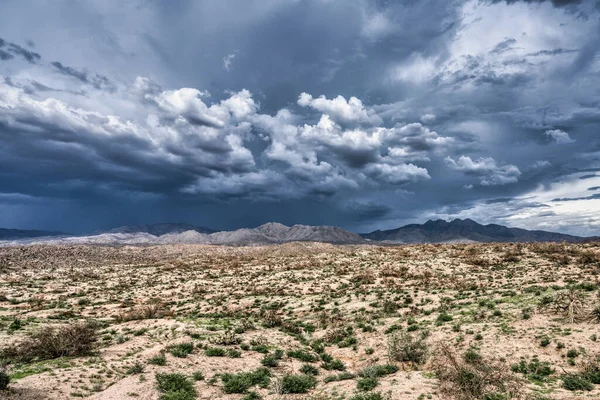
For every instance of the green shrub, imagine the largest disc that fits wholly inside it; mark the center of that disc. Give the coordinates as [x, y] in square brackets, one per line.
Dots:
[181, 350]
[472, 356]
[302, 355]
[175, 387]
[402, 346]
[215, 352]
[339, 377]
[158, 359]
[233, 353]
[136, 368]
[309, 369]
[4, 380]
[270, 360]
[252, 396]
[242, 381]
[300, 383]
[368, 396]
[198, 376]
[576, 382]
[572, 353]
[334, 364]
[261, 348]
[366, 384]
[535, 369]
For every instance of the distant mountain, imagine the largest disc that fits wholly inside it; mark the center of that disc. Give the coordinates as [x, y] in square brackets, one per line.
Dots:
[464, 231]
[270, 233]
[158, 229]
[10, 234]
[439, 231]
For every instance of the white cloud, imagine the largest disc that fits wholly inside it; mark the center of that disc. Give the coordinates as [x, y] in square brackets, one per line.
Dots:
[558, 136]
[486, 168]
[428, 118]
[228, 61]
[340, 110]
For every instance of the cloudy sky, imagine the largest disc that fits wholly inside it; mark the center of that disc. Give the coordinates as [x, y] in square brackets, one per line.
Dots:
[362, 114]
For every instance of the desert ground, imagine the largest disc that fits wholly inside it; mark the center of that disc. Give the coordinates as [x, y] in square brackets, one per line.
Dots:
[301, 321]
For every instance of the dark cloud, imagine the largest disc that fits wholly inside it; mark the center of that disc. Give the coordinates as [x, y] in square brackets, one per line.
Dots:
[504, 45]
[556, 3]
[96, 80]
[593, 196]
[9, 50]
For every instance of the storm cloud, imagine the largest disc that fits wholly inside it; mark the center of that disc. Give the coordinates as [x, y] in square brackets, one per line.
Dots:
[366, 114]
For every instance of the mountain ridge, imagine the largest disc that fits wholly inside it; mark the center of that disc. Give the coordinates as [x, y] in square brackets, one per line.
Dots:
[467, 230]
[432, 231]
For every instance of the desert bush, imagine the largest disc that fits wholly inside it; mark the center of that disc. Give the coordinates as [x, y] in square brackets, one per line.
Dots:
[468, 378]
[270, 360]
[339, 377]
[576, 381]
[370, 396]
[299, 383]
[227, 338]
[155, 310]
[175, 387]
[404, 347]
[215, 352]
[158, 359]
[302, 355]
[534, 369]
[590, 368]
[376, 371]
[242, 381]
[136, 368]
[252, 396]
[366, 384]
[4, 380]
[572, 305]
[53, 342]
[309, 369]
[585, 378]
[181, 350]
[333, 364]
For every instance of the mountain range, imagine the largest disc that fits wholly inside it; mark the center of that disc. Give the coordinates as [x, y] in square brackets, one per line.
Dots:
[438, 231]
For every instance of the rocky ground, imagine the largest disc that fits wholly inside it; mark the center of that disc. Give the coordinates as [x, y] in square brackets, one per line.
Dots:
[301, 321]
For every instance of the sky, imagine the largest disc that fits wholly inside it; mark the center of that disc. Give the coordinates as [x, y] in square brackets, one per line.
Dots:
[361, 114]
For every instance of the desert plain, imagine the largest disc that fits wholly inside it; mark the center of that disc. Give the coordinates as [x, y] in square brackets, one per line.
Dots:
[301, 321]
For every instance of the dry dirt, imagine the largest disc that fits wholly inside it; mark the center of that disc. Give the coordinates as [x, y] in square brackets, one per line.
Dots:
[502, 301]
